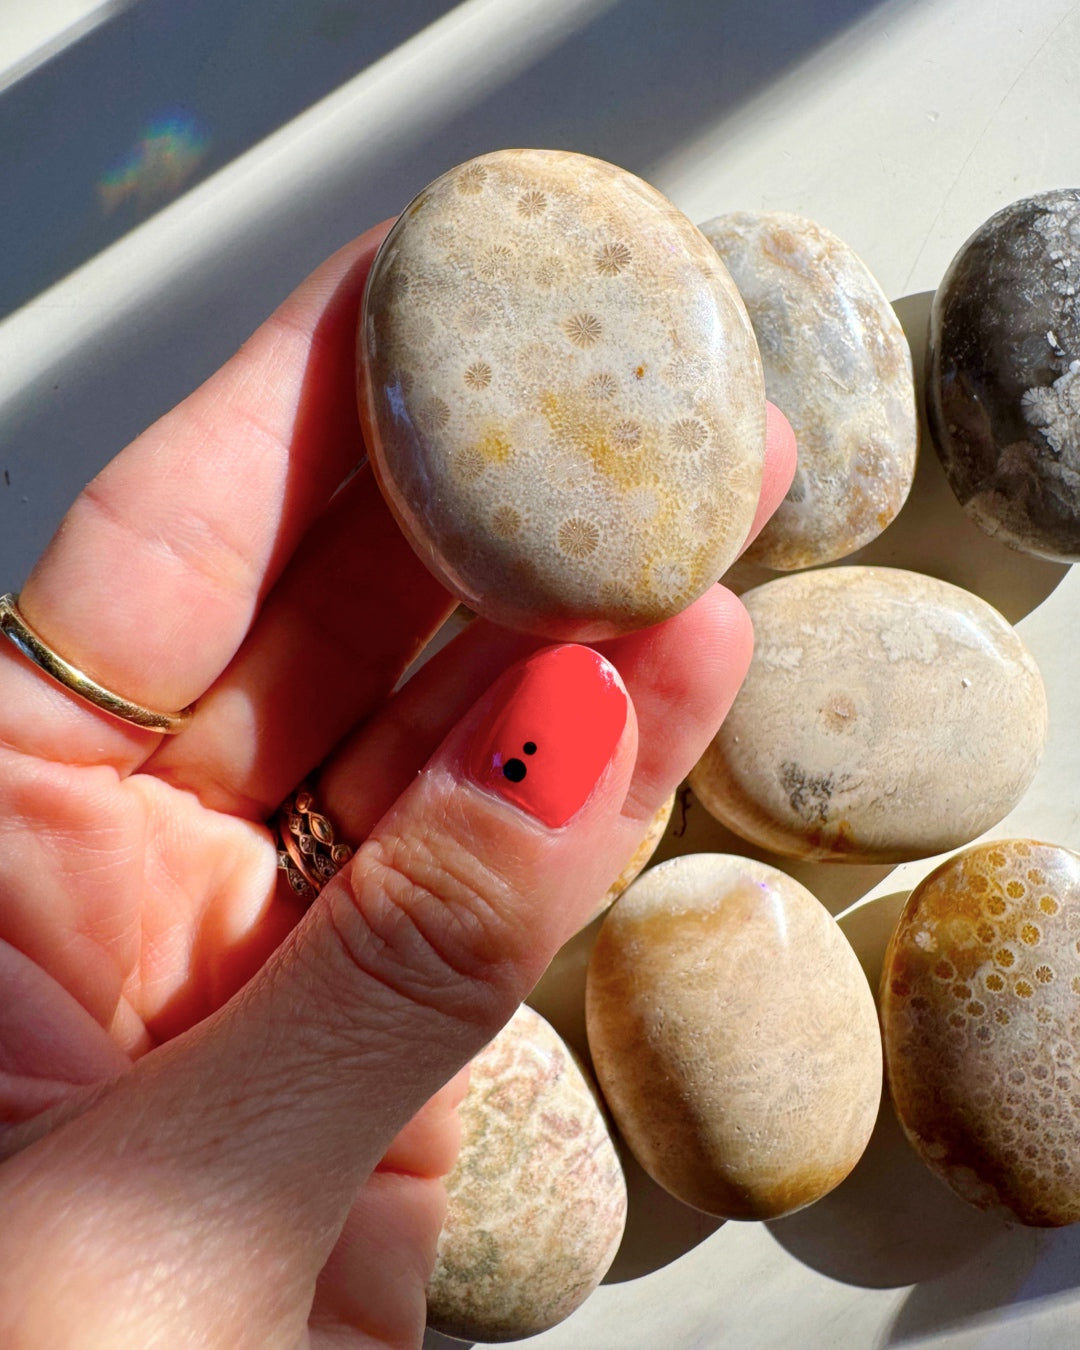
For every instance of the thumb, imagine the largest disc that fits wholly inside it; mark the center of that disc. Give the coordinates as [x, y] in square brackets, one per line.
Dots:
[455, 904]
[229, 1158]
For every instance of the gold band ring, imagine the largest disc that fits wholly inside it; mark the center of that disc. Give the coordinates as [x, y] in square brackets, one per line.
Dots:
[307, 855]
[75, 681]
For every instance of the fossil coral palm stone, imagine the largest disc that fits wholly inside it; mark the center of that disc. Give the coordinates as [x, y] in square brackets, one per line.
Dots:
[838, 364]
[1003, 375]
[886, 715]
[734, 1035]
[562, 394]
[536, 1202]
[635, 864]
[980, 1006]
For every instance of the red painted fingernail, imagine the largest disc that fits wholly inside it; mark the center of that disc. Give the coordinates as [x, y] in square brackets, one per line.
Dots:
[551, 732]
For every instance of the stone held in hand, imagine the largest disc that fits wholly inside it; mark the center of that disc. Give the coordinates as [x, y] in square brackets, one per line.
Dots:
[536, 1202]
[734, 1036]
[561, 394]
[980, 1009]
[838, 366]
[886, 716]
[1003, 375]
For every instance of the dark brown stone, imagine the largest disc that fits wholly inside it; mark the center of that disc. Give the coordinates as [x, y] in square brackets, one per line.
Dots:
[1003, 375]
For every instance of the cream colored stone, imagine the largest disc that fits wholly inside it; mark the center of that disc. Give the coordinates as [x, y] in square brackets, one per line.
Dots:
[980, 1007]
[734, 1036]
[641, 855]
[886, 716]
[838, 365]
[536, 1202]
[561, 393]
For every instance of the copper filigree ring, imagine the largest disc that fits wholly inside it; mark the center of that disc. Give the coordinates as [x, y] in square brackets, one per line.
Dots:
[307, 851]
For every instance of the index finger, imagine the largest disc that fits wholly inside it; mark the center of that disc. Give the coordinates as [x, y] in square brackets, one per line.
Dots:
[155, 574]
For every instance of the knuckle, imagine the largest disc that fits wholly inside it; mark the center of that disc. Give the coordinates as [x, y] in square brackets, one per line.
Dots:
[430, 924]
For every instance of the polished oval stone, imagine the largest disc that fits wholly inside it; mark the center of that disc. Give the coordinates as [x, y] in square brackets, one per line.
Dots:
[1003, 375]
[838, 365]
[561, 394]
[980, 1007]
[887, 715]
[734, 1036]
[642, 854]
[536, 1203]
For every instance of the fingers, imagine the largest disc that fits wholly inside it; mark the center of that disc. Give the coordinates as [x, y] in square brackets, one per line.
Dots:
[693, 664]
[469, 882]
[354, 609]
[375, 1283]
[394, 1227]
[332, 644]
[49, 1044]
[152, 580]
[229, 1158]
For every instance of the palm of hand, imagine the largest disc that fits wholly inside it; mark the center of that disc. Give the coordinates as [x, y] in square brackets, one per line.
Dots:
[138, 885]
[141, 914]
[145, 906]
[262, 1162]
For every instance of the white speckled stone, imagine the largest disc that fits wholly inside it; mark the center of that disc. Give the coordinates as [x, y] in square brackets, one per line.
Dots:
[536, 1202]
[562, 394]
[838, 365]
[980, 1008]
[887, 715]
[734, 1036]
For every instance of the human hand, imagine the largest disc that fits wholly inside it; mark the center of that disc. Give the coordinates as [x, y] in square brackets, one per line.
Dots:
[224, 1121]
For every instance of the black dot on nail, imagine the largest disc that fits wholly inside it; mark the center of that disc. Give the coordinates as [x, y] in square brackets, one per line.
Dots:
[529, 747]
[514, 770]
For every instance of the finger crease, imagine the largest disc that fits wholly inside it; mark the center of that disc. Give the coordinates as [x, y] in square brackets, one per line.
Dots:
[190, 548]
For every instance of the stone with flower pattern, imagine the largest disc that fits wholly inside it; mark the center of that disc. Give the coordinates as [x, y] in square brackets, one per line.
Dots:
[536, 1202]
[838, 366]
[980, 1011]
[562, 395]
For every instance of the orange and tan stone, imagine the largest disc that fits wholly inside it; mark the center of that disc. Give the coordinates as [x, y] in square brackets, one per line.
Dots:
[561, 394]
[980, 1009]
[734, 1036]
[839, 366]
[887, 715]
[640, 856]
[536, 1203]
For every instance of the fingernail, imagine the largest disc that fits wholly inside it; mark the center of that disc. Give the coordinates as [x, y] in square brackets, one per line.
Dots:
[550, 733]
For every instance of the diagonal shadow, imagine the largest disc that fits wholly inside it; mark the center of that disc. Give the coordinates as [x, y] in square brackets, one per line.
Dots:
[232, 73]
[212, 76]
[634, 83]
[1002, 1283]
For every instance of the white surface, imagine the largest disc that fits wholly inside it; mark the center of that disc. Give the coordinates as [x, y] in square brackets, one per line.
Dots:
[902, 130]
[419, 84]
[33, 30]
[905, 132]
